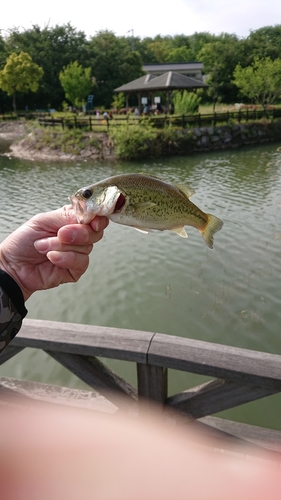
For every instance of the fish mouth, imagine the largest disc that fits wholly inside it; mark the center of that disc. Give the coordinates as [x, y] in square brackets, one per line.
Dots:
[119, 203]
[80, 210]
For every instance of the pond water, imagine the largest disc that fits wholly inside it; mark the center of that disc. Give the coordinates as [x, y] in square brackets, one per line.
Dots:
[161, 282]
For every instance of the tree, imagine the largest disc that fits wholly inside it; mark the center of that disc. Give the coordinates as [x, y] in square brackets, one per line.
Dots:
[113, 64]
[261, 81]
[186, 102]
[20, 74]
[220, 59]
[52, 48]
[264, 42]
[76, 82]
[180, 54]
[118, 101]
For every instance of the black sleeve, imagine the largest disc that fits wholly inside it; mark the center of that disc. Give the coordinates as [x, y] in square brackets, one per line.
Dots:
[12, 309]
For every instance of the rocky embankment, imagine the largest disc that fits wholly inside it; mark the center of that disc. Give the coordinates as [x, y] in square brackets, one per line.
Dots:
[234, 136]
[21, 140]
[24, 140]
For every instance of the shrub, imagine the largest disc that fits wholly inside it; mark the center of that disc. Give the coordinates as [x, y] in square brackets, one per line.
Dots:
[186, 103]
[133, 141]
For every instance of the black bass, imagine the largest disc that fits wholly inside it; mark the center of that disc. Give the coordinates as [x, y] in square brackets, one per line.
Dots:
[146, 203]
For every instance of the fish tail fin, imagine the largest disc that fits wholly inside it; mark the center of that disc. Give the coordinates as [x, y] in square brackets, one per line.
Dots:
[213, 225]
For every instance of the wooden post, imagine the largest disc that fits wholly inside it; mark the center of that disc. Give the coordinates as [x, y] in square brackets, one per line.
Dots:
[152, 384]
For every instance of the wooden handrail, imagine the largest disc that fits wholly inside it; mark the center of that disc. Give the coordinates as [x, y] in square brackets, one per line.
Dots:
[194, 356]
[240, 375]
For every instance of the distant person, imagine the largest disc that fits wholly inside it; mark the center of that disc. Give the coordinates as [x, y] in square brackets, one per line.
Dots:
[107, 115]
[146, 110]
[159, 109]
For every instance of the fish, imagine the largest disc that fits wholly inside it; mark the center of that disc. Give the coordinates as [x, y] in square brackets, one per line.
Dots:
[146, 203]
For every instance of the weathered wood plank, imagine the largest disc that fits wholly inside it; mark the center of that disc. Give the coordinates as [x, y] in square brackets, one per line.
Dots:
[87, 340]
[94, 373]
[215, 396]
[215, 360]
[23, 392]
[152, 383]
[267, 438]
[9, 352]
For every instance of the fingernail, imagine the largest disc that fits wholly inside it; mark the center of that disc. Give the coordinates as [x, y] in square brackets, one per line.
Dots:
[55, 257]
[42, 246]
[67, 235]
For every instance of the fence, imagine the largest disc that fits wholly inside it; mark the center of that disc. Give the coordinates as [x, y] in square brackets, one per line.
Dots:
[197, 120]
[238, 375]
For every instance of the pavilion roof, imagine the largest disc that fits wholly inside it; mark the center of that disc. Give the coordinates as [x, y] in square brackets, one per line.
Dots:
[167, 81]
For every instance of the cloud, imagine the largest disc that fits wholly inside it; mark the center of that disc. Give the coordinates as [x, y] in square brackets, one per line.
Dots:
[148, 18]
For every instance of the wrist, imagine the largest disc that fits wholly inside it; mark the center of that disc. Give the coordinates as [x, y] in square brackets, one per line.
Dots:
[13, 290]
[9, 271]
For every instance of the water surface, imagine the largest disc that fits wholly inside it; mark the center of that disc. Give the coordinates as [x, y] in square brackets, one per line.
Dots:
[161, 282]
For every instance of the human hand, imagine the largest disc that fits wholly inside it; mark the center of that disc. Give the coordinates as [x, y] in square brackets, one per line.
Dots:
[82, 455]
[50, 249]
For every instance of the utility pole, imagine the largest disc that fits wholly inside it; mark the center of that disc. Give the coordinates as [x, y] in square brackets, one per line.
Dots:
[132, 39]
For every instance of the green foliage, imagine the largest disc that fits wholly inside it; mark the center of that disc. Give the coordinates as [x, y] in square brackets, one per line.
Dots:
[220, 58]
[133, 141]
[76, 82]
[113, 64]
[264, 42]
[261, 81]
[180, 54]
[115, 61]
[52, 48]
[186, 103]
[118, 101]
[70, 141]
[20, 74]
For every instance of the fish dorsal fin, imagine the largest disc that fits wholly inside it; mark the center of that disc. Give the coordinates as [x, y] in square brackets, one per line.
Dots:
[180, 231]
[150, 175]
[185, 190]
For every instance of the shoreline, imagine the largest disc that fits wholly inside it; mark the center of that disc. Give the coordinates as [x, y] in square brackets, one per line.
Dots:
[18, 140]
[25, 141]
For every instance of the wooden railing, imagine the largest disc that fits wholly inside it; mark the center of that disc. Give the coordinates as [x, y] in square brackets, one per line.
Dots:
[238, 375]
[196, 120]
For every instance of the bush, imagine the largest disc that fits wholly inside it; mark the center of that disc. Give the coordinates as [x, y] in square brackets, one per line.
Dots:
[133, 141]
[186, 103]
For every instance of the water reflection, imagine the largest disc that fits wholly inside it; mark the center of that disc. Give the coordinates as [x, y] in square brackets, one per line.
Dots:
[162, 282]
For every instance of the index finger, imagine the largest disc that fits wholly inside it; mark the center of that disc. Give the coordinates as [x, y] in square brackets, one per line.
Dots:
[82, 234]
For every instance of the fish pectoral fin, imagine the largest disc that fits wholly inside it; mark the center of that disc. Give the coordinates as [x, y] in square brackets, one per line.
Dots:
[185, 190]
[180, 231]
[144, 206]
[143, 230]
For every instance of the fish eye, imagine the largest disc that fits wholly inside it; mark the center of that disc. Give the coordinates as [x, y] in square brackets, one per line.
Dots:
[87, 193]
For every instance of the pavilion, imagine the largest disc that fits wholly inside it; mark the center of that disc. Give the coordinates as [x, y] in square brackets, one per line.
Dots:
[149, 85]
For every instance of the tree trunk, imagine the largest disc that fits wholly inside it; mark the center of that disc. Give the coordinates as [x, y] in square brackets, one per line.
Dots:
[14, 102]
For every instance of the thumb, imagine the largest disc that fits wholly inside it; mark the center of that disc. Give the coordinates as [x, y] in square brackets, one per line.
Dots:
[52, 221]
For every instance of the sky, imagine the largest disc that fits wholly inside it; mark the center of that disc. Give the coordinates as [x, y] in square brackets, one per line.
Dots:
[145, 17]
